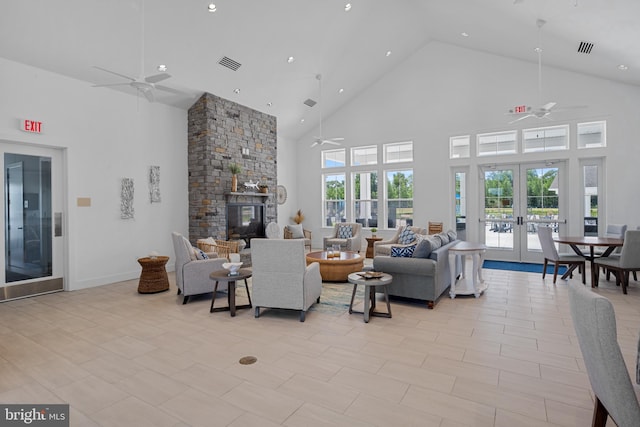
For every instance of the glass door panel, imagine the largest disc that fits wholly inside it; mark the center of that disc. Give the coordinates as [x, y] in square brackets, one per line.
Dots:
[32, 204]
[517, 200]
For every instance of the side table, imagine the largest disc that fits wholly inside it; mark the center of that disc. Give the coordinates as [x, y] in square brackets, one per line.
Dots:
[370, 242]
[223, 276]
[153, 277]
[370, 294]
[462, 250]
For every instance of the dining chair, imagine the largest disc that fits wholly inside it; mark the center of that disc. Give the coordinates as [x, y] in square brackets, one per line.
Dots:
[435, 227]
[551, 254]
[629, 260]
[594, 321]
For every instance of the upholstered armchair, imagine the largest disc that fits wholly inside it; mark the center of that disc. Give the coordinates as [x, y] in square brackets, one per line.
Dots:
[346, 234]
[383, 247]
[594, 321]
[192, 274]
[281, 278]
[297, 232]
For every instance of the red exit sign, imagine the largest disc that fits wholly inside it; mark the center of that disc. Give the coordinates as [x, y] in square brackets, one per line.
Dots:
[520, 109]
[32, 126]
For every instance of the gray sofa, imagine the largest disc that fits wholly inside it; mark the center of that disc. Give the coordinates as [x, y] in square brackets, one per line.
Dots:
[419, 278]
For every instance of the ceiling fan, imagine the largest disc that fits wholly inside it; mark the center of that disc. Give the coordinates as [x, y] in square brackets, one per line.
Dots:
[543, 111]
[321, 140]
[145, 85]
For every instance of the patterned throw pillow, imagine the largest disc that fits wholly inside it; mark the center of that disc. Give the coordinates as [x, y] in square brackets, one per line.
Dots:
[406, 236]
[402, 251]
[344, 232]
[201, 255]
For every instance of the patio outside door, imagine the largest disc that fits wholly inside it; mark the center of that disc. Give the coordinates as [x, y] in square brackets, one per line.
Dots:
[32, 205]
[517, 200]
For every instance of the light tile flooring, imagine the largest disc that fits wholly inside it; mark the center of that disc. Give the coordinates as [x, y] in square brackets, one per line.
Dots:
[509, 358]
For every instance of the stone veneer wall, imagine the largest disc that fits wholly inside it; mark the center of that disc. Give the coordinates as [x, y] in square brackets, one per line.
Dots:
[218, 131]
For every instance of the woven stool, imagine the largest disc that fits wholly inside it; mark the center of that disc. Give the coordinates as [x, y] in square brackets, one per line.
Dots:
[154, 276]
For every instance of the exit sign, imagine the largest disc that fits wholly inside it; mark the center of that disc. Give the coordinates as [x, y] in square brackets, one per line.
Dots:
[520, 109]
[31, 126]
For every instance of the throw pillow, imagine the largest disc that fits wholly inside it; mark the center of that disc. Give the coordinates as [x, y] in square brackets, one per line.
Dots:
[190, 249]
[201, 255]
[297, 232]
[423, 249]
[444, 237]
[452, 235]
[344, 232]
[406, 236]
[403, 251]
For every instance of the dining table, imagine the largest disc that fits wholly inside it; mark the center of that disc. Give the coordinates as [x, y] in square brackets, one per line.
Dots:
[610, 243]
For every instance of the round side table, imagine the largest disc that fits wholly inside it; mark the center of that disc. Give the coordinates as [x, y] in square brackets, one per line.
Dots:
[153, 277]
[223, 276]
[370, 294]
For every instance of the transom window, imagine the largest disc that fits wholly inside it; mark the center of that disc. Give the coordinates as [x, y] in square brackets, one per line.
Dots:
[593, 134]
[398, 152]
[497, 143]
[334, 158]
[459, 147]
[545, 139]
[361, 156]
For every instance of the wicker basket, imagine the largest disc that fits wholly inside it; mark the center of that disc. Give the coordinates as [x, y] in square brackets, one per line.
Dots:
[222, 248]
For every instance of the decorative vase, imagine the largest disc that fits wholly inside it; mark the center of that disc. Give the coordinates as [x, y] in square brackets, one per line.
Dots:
[234, 183]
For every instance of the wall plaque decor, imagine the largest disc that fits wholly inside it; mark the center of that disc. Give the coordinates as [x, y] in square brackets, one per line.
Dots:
[154, 184]
[126, 198]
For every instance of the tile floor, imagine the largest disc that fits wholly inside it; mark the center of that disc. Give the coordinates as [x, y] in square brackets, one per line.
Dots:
[509, 358]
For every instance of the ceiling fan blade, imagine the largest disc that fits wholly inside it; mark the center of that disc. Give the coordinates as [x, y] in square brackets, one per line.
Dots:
[314, 144]
[522, 118]
[112, 84]
[114, 73]
[335, 139]
[548, 106]
[148, 94]
[168, 89]
[157, 78]
[328, 141]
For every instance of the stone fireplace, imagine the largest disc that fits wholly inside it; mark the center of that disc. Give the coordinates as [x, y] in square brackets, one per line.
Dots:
[222, 132]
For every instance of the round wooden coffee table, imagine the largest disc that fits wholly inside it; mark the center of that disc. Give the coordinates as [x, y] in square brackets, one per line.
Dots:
[336, 269]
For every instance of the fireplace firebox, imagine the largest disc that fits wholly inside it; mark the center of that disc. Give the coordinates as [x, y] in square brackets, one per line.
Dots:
[245, 221]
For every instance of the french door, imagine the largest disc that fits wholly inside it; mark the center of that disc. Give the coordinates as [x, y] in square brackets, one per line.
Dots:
[517, 200]
[33, 258]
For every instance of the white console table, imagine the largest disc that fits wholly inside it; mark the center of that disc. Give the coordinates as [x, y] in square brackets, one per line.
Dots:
[463, 287]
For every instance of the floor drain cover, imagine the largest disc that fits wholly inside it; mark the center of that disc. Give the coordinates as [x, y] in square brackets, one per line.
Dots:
[248, 360]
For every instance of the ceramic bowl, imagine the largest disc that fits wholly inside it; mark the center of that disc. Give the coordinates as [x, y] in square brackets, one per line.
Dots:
[233, 267]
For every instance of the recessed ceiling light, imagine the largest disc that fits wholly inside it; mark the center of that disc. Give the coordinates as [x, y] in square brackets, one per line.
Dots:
[291, 59]
[269, 104]
[236, 90]
[347, 7]
[340, 90]
[212, 8]
[162, 67]
[388, 53]
[301, 120]
[622, 67]
[464, 34]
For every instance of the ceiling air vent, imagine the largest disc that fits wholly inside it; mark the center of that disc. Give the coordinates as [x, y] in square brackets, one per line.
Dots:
[585, 47]
[310, 102]
[229, 63]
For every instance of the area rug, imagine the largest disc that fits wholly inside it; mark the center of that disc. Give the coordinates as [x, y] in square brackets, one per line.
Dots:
[520, 266]
[335, 298]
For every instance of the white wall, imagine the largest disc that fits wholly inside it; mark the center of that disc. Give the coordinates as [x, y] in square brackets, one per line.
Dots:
[108, 135]
[443, 91]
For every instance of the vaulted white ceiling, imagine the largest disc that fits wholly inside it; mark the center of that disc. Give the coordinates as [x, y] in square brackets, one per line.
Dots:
[349, 49]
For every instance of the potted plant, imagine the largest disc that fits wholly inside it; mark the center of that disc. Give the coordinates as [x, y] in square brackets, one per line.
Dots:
[373, 231]
[235, 169]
